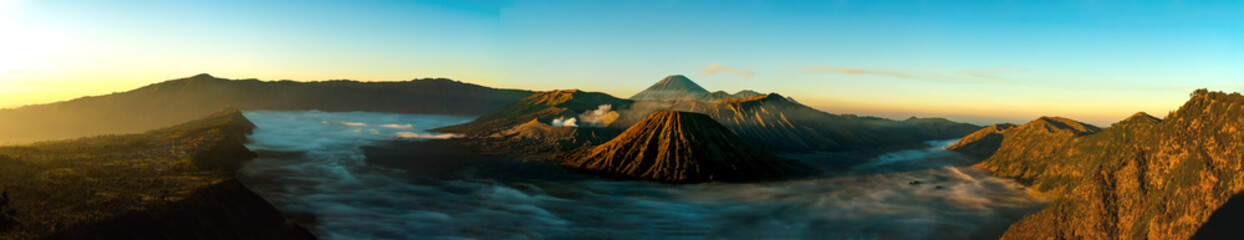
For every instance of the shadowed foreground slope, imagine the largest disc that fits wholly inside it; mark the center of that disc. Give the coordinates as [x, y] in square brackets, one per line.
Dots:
[680, 147]
[1142, 178]
[171, 183]
[1226, 222]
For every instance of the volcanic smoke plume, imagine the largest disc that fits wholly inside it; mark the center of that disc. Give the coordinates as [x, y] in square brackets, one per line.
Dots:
[565, 122]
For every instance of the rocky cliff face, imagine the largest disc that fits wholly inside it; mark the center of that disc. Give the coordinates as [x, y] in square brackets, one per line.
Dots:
[1142, 178]
[171, 183]
[680, 147]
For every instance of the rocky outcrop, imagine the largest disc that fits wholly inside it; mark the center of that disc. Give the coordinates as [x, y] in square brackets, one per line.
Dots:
[680, 147]
[171, 183]
[1142, 178]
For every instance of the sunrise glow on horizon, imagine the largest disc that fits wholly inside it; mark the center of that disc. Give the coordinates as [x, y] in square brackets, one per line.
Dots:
[974, 62]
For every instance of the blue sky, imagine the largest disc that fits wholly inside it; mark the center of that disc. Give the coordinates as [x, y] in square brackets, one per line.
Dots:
[980, 62]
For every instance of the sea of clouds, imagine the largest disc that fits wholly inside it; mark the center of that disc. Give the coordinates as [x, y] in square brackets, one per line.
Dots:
[312, 165]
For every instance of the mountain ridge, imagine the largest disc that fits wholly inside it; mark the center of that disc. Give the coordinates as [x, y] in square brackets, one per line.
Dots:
[1032, 141]
[174, 101]
[771, 121]
[983, 143]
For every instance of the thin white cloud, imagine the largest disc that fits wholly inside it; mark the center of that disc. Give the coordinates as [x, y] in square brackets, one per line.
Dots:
[19, 69]
[980, 75]
[17, 87]
[860, 71]
[432, 136]
[354, 124]
[397, 126]
[718, 67]
[994, 73]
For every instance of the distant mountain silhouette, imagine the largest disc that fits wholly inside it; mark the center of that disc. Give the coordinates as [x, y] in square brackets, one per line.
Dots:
[171, 183]
[1141, 178]
[680, 147]
[171, 102]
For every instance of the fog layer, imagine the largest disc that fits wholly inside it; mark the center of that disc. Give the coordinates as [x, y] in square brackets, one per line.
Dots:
[312, 166]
